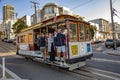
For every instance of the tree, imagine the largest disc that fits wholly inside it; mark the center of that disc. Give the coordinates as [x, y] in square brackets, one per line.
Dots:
[93, 29]
[80, 17]
[1, 34]
[19, 25]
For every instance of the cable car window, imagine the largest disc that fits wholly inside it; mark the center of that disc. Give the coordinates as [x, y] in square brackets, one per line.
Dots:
[73, 32]
[25, 38]
[81, 32]
[30, 37]
[21, 40]
[87, 32]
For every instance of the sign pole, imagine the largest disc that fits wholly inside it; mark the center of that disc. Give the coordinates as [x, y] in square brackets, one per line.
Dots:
[3, 64]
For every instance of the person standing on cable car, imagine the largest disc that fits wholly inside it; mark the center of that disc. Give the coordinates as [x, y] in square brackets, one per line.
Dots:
[42, 42]
[51, 47]
[60, 43]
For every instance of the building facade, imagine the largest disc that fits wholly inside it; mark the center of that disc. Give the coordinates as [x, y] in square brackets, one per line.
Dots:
[49, 11]
[1, 31]
[8, 21]
[9, 29]
[8, 12]
[117, 29]
[104, 28]
[97, 36]
[27, 20]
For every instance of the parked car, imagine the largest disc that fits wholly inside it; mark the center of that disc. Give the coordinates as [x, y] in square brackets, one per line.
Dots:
[98, 41]
[5, 39]
[10, 41]
[14, 41]
[2, 39]
[109, 43]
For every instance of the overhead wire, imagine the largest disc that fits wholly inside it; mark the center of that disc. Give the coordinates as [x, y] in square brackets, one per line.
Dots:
[82, 4]
[113, 1]
[114, 10]
[115, 13]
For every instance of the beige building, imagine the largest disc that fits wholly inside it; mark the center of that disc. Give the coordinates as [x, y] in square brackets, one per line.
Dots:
[8, 12]
[49, 11]
[8, 21]
[97, 32]
[117, 29]
[104, 28]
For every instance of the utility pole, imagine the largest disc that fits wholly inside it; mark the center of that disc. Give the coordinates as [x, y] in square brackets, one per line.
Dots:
[35, 4]
[113, 28]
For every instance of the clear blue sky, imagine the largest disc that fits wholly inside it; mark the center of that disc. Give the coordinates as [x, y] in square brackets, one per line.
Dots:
[90, 9]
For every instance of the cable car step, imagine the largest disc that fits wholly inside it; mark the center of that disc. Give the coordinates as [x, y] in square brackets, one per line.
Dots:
[56, 63]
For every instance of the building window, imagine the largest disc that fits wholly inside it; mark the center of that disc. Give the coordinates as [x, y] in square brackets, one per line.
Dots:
[38, 15]
[52, 9]
[46, 10]
[49, 10]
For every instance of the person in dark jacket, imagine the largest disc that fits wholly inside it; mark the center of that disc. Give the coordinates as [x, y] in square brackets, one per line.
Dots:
[42, 44]
[60, 41]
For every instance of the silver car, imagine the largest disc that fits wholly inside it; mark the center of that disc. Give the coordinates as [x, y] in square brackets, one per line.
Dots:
[109, 43]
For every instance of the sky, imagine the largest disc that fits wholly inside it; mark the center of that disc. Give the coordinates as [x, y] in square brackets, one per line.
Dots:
[90, 9]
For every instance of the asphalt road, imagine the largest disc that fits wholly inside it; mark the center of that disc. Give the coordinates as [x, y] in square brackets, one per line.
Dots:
[105, 62]
[27, 69]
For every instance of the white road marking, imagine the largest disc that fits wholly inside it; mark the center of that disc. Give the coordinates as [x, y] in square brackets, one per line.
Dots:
[96, 52]
[99, 72]
[105, 60]
[11, 73]
[99, 48]
[114, 78]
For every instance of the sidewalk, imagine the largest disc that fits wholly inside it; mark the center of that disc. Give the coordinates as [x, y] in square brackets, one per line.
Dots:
[6, 75]
[113, 52]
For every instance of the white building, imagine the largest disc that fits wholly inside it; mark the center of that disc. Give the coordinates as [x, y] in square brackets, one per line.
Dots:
[39, 19]
[9, 29]
[104, 28]
[117, 29]
[27, 20]
[97, 35]
[67, 11]
[49, 11]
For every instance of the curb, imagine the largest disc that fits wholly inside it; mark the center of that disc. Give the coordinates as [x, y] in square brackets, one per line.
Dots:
[116, 54]
[13, 79]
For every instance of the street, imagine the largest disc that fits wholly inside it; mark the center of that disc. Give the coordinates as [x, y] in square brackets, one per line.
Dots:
[101, 67]
[60, 40]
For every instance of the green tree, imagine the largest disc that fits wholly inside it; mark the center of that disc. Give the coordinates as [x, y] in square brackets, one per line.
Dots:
[93, 30]
[19, 25]
[81, 18]
[1, 34]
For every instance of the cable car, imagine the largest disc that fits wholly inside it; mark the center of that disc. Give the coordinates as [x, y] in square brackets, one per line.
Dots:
[78, 41]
